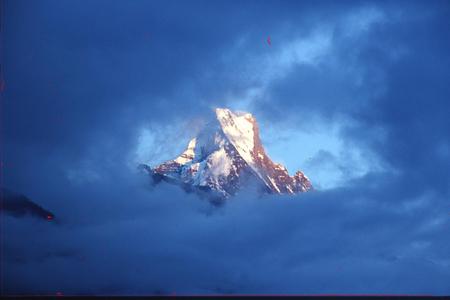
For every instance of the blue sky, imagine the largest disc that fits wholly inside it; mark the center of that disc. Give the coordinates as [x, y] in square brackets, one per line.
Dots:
[354, 93]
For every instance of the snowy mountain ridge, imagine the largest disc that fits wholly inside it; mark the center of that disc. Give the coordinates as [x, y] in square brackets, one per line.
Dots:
[224, 156]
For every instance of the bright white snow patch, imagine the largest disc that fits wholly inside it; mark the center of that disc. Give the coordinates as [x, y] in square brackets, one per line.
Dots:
[188, 154]
[199, 178]
[219, 163]
[239, 131]
[274, 184]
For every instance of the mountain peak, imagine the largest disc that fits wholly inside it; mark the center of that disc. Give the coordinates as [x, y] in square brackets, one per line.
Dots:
[227, 112]
[225, 155]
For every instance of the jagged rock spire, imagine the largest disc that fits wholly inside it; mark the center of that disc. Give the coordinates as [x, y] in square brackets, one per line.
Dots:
[224, 155]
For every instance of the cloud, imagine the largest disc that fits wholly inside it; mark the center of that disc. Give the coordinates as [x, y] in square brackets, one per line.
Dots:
[91, 90]
[165, 241]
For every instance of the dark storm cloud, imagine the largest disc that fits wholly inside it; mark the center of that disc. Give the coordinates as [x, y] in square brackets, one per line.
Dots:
[82, 67]
[342, 241]
[414, 110]
[391, 81]
[83, 78]
[80, 73]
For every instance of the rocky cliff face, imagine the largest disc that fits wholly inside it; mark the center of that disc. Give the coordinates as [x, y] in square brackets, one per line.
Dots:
[225, 156]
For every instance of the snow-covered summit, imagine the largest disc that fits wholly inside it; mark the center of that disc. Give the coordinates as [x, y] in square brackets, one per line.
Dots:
[225, 156]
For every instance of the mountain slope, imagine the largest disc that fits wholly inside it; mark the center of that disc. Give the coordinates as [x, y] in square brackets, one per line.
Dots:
[18, 205]
[225, 156]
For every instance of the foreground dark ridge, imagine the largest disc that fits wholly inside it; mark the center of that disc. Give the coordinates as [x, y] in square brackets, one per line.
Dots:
[19, 206]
